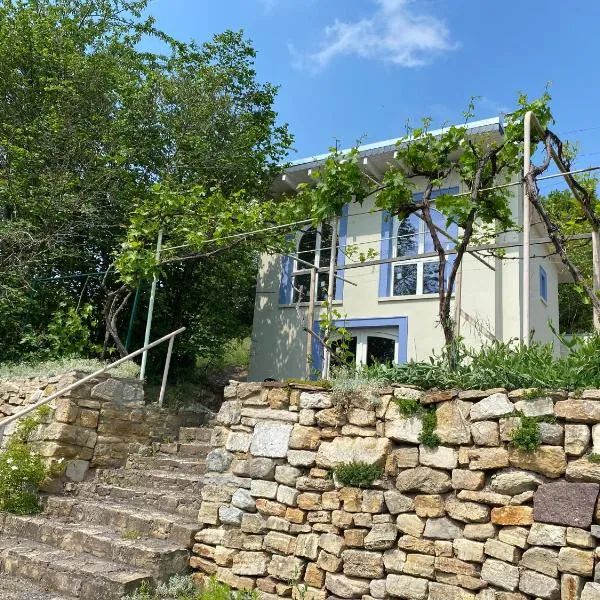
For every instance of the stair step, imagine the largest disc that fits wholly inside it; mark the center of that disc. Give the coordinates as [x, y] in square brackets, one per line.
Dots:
[189, 483]
[164, 462]
[198, 434]
[72, 574]
[171, 501]
[184, 449]
[123, 518]
[16, 588]
[156, 556]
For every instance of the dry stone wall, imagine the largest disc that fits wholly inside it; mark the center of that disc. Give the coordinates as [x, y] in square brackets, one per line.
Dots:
[95, 424]
[473, 518]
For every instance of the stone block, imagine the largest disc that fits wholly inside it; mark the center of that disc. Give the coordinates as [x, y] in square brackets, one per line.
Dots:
[429, 505]
[271, 439]
[580, 537]
[77, 469]
[286, 568]
[578, 410]
[287, 495]
[425, 480]
[591, 591]
[552, 433]
[485, 497]
[355, 538]
[307, 545]
[441, 457]
[420, 565]
[442, 591]
[279, 543]
[372, 501]
[306, 417]
[360, 563]
[467, 512]
[343, 586]
[576, 561]
[250, 563]
[345, 449]
[309, 501]
[261, 468]
[453, 422]
[301, 458]
[313, 576]
[515, 536]
[485, 433]
[315, 400]
[381, 537]
[487, 458]
[566, 503]
[442, 529]
[502, 551]
[468, 550]
[242, 499]
[494, 406]
[542, 560]
[295, 515]
[583, 470]
[401, 458]
[263, 489]
[361, 417]
[571, 587]
[377, 588]
[393, 560]
[409, 588]
[512, 515]
[536, 407]
[463, 479]
[454, 565]
[218, 460]
[413, 544]
[514, 482]
[577, 438]
[253, 523]
[305, 438]
[542, 534]
[410, 524]
[209, 513]
[538, 585]
[397, 503]
[500, 574]
[479, 531]
[404, 429]
[287, 475]
[270, 508]
[329, 562]
[238, 441]
[230, 515]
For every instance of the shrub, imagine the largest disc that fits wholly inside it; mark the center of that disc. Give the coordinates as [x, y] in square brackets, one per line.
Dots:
[358, 474]
[22, 470]
[428, 437]
[182, 587]
[408, 407]
[527, 436]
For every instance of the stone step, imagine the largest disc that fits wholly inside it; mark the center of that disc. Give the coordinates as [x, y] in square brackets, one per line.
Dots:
[164, 462]
[17, 588]
[72, 574]
[124, 518]
[170, 501]
[183, 449]
[189, 483]
[198, 434]
[158, 557]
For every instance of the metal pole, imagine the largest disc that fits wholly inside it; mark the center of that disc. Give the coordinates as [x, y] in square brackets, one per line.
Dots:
[134, 308]
[332, 263]
[526, 230]
[151, 307]
[310, 317]
[596, 273]
[163, 385]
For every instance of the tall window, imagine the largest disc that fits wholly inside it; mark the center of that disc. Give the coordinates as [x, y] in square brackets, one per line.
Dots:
[412, 238]
[543, 284]
[314, 247]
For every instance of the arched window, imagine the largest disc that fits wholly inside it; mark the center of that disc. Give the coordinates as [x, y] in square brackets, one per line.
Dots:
[412, 238]
[314, 247]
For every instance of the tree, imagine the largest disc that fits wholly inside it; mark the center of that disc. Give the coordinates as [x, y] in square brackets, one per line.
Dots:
[481, 162]
[103, 143]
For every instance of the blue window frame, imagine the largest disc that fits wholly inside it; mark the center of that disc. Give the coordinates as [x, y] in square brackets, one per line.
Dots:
[543, 284]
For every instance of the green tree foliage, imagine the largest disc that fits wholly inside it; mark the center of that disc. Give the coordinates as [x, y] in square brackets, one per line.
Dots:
[102, 144]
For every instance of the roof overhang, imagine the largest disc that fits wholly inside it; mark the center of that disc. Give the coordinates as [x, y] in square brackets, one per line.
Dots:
[375, 157]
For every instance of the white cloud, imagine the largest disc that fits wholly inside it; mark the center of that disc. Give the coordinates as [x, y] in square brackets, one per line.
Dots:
[394, 33]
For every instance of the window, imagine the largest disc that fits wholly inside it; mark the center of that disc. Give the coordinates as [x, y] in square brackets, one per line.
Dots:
[372, 346]
[543, 284]
[314, 247]
[412, 238]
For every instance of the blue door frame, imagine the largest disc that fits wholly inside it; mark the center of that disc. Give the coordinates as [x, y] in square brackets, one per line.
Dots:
[363, 323]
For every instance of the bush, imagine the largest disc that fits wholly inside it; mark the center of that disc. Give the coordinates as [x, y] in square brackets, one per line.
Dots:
[358, 474]
[182, 587]
[499, 364]
[527, 436]
[408, 407]
[22, 470]
[428, 437]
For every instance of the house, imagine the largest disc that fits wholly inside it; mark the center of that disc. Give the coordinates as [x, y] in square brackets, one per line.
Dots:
[391, 309]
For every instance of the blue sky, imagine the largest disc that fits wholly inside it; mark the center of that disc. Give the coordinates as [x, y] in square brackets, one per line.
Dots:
[358, 69]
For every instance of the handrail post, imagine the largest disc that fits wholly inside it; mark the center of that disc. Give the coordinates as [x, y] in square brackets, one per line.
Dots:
[163, 385]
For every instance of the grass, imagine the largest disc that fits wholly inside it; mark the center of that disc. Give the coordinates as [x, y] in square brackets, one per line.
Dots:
[131, 534]
[408, 407]
[51, 368]
[594, 458]
[428, 437]
[499, 364]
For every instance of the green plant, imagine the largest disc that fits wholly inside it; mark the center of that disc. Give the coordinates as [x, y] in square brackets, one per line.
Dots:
[408, 407]
[358, 474]
[22, 470]
[533, 394]
[527, 436]
[594, 458]
[428, 437]
[322, 383]
[131, 534]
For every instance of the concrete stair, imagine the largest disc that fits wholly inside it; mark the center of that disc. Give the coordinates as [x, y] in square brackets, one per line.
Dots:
[119, 529]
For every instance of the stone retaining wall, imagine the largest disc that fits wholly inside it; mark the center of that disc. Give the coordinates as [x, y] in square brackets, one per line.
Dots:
[93, 425]
[472, 518]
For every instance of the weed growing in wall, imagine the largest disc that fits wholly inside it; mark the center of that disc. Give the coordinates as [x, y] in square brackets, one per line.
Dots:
[428, 437]
[22, 470]
[358, 474]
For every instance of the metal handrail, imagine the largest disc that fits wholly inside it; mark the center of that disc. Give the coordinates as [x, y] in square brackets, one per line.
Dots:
[32, 407]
